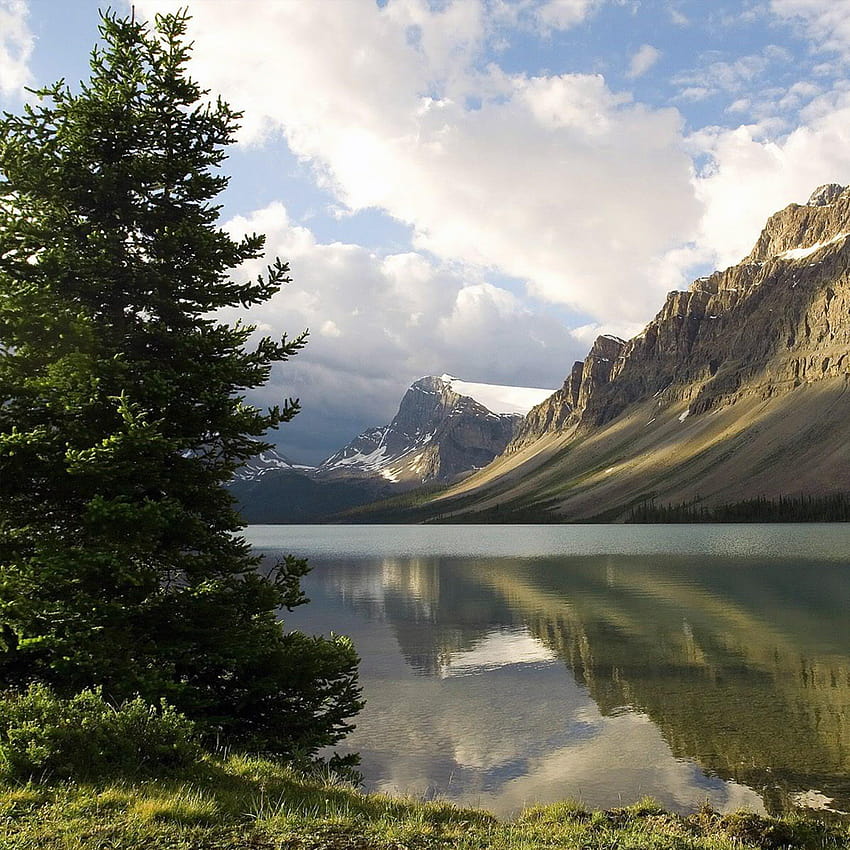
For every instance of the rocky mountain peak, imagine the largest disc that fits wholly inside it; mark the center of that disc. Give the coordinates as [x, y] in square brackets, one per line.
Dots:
[444, 426]
[566, 407]
[607, 345]
[737, 389]
[825, 195]
[799, 228]
[266, 462]
[598, 367]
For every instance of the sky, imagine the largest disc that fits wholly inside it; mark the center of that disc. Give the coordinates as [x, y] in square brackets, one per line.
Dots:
[481, 187]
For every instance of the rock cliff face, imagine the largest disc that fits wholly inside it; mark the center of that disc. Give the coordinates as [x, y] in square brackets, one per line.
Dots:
[437, 434]
[777, 319]
[567, 406]
[766, 336]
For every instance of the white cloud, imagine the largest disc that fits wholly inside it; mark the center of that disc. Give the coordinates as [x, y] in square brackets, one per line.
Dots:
[643, 59]
[330, 328]
[563, 14]
[555, 180]
[826, 20]
[797, 95]
[694, 94]
[751, 176]
[679, 18]
[770, 86]
[16, 44]
[741, 75]
[586, 334]
[382, 322]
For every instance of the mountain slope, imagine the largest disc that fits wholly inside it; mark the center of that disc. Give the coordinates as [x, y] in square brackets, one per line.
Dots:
[737, 388]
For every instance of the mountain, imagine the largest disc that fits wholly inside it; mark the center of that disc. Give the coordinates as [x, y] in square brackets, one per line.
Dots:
[286, 495]
[444, 428]
[266, 462]
[736, 389]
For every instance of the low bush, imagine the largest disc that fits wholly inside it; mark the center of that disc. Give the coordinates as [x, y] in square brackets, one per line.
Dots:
[43, 735]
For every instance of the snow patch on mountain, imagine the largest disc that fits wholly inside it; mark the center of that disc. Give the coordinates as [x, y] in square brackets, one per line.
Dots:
[371, 461]
[498, 399]
[266, 462]
[800, 253]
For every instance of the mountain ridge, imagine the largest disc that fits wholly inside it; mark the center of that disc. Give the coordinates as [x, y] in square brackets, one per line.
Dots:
[440, 433]
[736, 388]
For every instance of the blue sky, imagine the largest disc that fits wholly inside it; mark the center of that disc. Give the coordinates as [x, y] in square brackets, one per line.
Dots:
[481, 187]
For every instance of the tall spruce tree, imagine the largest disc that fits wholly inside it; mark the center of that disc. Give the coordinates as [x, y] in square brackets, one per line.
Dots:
[122, 411]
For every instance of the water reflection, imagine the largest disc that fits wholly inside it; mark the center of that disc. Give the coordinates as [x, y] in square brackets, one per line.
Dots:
[504, 681]
[503, 648]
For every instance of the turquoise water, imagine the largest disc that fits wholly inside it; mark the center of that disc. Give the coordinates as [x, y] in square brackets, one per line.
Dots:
[507, 665]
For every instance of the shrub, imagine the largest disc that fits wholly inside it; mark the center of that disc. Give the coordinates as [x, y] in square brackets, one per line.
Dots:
[85, 736]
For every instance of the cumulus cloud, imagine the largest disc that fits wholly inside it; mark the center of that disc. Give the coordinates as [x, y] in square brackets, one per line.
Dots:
[378, 323]
[555, 180]
[16, 44]
[643, 59]
[592, 200]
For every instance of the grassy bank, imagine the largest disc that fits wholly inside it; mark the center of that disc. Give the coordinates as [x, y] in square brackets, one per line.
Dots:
[250, 804]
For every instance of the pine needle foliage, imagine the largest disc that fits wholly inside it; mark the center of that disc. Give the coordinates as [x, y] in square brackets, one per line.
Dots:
[123, 411]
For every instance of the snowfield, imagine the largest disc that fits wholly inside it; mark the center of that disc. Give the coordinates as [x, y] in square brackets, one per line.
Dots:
[498, 399]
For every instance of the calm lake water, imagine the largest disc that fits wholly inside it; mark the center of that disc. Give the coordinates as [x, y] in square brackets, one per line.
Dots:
[507, 665]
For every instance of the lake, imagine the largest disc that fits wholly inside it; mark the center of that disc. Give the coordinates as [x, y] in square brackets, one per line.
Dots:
[508, 665]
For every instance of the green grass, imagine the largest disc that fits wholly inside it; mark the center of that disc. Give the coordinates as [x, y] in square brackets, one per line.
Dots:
[242, 803]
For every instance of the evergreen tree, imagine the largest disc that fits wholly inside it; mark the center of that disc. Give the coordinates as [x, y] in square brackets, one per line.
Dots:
[122, 411]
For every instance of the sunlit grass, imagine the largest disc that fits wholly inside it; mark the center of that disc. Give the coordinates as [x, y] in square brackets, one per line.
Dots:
[240, 802]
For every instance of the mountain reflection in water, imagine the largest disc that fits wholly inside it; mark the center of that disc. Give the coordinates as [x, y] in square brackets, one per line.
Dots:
[503, 681]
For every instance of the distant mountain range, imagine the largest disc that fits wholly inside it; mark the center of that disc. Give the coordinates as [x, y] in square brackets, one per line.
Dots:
[445, 428]
[271, 461]
[737, 389]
